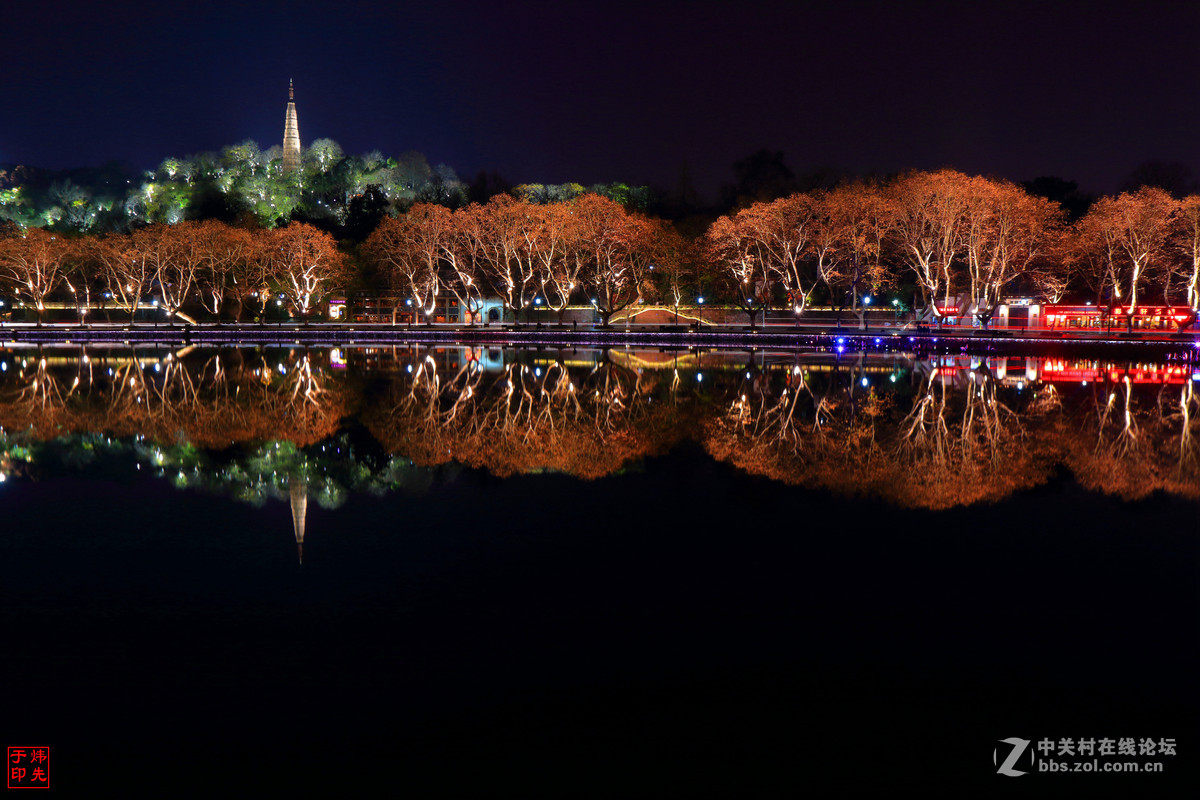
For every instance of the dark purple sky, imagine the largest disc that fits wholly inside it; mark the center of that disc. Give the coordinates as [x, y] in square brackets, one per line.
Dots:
[562, 91]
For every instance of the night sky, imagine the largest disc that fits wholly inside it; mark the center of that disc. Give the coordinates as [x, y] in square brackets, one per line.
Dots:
[551, 92]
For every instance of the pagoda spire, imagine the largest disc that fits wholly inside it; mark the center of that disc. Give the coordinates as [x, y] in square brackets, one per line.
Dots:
[291, 134]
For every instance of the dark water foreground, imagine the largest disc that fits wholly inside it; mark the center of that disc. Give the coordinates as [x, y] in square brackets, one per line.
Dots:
[680, 625]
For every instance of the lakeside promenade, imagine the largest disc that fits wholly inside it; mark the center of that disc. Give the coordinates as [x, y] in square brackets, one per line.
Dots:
[932, 339]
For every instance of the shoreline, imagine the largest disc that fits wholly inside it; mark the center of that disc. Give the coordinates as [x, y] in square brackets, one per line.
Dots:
[665, 336]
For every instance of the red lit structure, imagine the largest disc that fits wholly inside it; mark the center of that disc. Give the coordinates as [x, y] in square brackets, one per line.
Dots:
[1144, 318]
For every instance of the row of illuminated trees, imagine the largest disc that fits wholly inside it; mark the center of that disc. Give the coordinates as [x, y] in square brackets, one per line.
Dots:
[960, 243]
[525, 253]
[197, 264]
[530, 255]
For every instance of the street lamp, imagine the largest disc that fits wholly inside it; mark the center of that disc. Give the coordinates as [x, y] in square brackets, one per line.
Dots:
[700, 300]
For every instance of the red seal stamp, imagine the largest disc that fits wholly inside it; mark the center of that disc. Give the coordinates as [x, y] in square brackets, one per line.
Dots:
[28, 768]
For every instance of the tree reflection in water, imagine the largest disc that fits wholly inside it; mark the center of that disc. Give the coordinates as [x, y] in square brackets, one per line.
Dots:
[587, 421]
[950, 441]
[1142, 440]
[933, 433]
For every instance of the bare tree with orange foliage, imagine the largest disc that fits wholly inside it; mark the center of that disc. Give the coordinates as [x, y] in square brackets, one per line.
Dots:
[928, 209]
[1006, 232]
[1186, 238]
[1131, 233]
[223, 252]
[765, 246]
[675, 265]
[32, 266]
[411, 250]
[851, 224]
[558, 256]
[174, 257]
[122, 275]
[302, 263]
[494, 246]
[618, 248]
[1052, 275]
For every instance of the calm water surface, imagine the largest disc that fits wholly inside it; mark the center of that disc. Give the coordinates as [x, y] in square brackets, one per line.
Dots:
[459, 572]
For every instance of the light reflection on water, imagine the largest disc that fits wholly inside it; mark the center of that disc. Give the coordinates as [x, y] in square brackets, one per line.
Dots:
[934, 431]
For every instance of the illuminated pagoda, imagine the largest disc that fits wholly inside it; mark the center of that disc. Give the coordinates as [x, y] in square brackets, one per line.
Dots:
[291, 134]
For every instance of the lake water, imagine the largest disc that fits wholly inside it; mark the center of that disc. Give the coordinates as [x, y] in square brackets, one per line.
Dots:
[488, 572]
